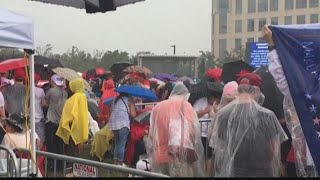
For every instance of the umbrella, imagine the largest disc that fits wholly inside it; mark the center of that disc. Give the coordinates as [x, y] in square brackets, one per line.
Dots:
[138, 69]
[273, 96]
[163, 76]
[69, 75]
[48, 62]
[91, 6]
[109, 101]
[230, 70]
[186, 79]
[203, 89]
[93, 73]
[44, 66]
[144, 117]
[117, 70]
[137, 91]
[11, 64]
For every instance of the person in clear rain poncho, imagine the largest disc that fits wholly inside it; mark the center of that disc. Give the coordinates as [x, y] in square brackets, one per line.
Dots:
[174, 144]
[246, 137]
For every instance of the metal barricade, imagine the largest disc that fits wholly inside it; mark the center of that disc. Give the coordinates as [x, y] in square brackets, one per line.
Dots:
[12, 169]
[205, 123]
[109, 170]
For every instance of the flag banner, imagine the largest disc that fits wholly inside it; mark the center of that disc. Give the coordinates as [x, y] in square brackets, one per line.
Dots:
[298, 47]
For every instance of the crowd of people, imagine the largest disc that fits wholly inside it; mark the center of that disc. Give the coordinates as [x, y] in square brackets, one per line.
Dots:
[241, 139]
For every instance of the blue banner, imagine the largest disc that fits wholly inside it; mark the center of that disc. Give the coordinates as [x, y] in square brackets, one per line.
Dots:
[298, 47]
[258, 54]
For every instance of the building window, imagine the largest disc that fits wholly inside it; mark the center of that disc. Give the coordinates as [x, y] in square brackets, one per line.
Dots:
[301, 4]
[274, 5]
[250, 25]
[314, 18]
[222, 47]
[238, 6]
[223, 20]
[289, 4]
[288, 20]
[262, 22]
[250, 40]
[313, 3]
[262, 5]
[261, 40]
[252, 6]
[274, 21]
[238, 44]
[238, 27]
[223, 6]
[301, 19]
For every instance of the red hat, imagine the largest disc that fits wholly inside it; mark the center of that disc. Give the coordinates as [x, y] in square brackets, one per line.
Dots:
[250, 79]
[37, 77]
[19, 73]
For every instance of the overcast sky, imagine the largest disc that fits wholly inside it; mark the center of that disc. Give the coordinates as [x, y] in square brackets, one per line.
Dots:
[152, 25]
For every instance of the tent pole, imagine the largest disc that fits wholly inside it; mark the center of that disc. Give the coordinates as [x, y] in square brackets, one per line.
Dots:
[32, 113]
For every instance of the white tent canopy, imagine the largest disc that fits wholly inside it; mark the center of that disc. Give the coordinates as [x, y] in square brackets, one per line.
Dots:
[16, 31]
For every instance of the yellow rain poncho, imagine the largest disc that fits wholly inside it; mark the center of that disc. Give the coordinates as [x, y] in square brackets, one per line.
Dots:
[74, 119]
[101, 142]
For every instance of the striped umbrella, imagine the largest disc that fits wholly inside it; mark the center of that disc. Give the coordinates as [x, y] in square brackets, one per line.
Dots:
[139, 69]
[70, 75]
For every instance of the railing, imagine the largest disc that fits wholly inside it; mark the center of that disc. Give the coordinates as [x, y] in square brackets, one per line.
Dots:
[206, 122]
[10, 161]
[109, 170]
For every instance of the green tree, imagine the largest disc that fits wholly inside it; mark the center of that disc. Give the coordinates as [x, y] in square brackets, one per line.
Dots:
[111, 57]
[10, 53]
[44, 50]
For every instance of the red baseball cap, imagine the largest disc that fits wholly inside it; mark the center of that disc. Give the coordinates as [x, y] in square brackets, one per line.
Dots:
[19, 73]
[250, 79]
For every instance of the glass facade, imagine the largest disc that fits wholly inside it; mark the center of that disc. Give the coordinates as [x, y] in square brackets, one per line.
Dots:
[222, 47]
[223, 26]
[301, 19]
[274, 5]
[250, 25]
[263, 5]
[238, 6]
[288, 20]
[289, 4]
[251, 6]
[274, 21]
[314, 18]
[313, 3]
[238, 44]
[238, 26]
[301, 4]
[262, 22]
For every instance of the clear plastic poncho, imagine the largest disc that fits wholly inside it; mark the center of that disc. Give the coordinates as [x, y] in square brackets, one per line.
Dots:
[246, 137]
[304, 164]
[174, 144]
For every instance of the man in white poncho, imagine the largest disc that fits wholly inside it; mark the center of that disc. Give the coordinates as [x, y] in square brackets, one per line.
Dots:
[174, 144]
[246, 137]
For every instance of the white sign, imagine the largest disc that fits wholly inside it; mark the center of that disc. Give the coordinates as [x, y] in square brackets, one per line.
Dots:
[81, 170]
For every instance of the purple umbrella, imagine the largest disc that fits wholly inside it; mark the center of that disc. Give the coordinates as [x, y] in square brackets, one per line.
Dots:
[164, 76]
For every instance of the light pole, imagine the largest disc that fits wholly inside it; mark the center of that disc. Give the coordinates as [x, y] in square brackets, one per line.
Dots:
[174, 49]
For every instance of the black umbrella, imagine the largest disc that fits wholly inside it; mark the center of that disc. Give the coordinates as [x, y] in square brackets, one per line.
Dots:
[91, 6]
[204, 89]
[230, 70]
[43, 66]
[273, 96]
[117, 70]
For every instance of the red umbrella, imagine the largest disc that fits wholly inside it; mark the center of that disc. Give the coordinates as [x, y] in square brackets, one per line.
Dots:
[11, 64]
[100, 71]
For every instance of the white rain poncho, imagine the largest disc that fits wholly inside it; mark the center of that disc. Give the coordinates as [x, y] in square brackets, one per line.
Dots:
[246, 137]
[174, 144]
